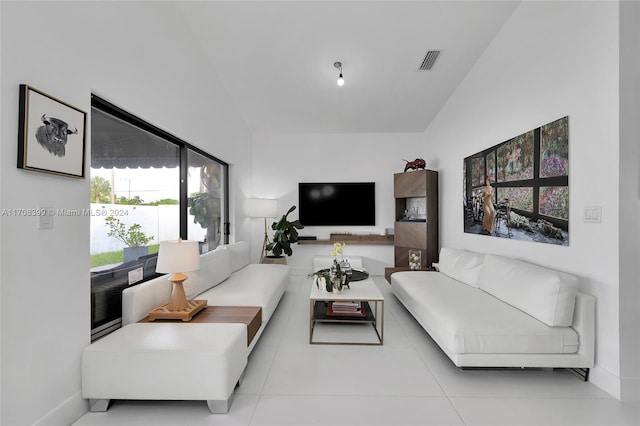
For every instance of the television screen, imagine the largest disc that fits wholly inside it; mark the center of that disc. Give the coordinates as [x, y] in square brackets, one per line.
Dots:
[337, 204]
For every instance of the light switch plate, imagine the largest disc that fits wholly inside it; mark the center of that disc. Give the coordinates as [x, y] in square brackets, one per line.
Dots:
[592, 214]
[45, 221]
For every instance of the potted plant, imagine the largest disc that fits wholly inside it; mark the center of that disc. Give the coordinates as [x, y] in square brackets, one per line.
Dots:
[134, 239]
[336, 277]
[206, 211]
[285, 234]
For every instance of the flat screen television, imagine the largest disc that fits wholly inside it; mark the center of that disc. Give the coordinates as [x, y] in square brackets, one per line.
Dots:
[337, 204]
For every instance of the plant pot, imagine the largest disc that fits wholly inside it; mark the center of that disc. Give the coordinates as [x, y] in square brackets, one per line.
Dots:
[133, 253]
[279, 260]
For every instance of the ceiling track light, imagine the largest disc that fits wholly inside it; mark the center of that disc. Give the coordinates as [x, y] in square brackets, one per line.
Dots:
[340, 81]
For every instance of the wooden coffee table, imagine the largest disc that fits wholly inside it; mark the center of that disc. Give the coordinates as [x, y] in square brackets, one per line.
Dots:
[249, 315]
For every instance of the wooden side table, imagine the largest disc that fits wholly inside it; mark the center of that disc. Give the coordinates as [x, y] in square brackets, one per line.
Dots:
[249, 315]
[389, 271]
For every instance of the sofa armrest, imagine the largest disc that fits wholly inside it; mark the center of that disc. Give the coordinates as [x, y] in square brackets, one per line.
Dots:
[139, 300]
[584, 323]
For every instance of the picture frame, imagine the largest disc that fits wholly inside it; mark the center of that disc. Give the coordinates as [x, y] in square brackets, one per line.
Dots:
[51, 134]
[519, 188]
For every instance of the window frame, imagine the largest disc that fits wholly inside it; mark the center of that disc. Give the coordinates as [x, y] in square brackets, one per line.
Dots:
[109, 108]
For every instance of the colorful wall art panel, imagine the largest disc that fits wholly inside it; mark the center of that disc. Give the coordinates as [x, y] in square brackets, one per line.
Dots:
[519, 189]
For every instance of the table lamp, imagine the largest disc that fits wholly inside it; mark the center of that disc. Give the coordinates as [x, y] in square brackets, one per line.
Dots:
[177, 257]
[262, 208]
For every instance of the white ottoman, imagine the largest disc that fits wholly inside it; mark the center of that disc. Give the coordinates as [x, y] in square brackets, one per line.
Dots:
[166, 361]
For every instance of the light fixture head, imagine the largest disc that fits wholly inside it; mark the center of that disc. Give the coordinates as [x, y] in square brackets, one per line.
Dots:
[262, 207]
[338, 65]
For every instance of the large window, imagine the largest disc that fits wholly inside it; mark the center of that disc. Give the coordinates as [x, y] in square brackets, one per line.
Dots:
[147, 186]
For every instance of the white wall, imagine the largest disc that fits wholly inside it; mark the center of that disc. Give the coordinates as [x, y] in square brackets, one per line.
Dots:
[136, 55]
[629, 199]
[281, 161]
[551, 59]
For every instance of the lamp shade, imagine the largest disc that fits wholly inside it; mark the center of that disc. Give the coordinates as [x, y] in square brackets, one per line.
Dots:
[262, 207]
[178, 256]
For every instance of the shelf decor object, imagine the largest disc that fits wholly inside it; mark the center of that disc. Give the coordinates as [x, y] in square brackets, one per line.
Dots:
[414, 260]
[177, 257]
[51, 134]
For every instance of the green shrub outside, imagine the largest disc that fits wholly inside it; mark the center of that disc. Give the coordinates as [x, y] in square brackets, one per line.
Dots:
[110, 257]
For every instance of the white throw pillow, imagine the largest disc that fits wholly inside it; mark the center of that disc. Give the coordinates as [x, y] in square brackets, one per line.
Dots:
[461, 265]
[543, 293]
[215, 267]
[239, 253]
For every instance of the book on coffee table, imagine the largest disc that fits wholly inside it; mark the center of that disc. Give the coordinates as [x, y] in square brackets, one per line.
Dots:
[345, 309]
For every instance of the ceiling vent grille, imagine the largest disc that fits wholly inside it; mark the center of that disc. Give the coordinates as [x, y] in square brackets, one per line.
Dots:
[429, 59]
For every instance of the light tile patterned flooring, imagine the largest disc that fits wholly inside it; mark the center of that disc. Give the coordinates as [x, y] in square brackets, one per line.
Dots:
[408, 381]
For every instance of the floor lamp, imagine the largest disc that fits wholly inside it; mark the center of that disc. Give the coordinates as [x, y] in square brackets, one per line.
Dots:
[262, 208]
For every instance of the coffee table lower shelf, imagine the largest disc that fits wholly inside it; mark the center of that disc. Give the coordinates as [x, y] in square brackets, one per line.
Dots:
[319, 315]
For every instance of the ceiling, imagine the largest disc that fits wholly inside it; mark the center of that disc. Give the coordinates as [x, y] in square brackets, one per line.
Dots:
[275, 59]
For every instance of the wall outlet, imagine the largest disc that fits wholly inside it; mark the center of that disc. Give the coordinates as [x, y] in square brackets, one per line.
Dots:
[135, 275]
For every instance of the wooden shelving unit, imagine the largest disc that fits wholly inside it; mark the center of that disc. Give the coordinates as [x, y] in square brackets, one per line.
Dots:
[418, 189]
[353, 239]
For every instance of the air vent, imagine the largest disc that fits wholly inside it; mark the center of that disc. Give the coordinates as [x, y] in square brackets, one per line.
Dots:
[429, 59]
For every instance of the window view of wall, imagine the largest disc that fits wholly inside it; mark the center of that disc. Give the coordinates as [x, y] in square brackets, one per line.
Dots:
[139, 198]
[519, 189]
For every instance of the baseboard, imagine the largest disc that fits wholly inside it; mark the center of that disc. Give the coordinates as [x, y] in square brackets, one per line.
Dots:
[630, 389]
[66, 413]
[605, 380]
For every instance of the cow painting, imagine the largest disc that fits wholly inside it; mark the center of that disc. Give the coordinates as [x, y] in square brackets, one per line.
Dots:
[52, 135]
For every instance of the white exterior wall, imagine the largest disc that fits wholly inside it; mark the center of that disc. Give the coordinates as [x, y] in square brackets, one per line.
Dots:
[138, 56]
[542, 66]
[160, 222]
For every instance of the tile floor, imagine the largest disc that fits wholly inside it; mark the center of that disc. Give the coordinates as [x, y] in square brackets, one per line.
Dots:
[408, 381]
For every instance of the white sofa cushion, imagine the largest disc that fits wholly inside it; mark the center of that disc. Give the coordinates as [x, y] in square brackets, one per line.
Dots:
[254, 285]
[543, 293]
[239, 253]
[466, 320]
[215, 267]
[139, 300]
[166, 361]
[461, 265]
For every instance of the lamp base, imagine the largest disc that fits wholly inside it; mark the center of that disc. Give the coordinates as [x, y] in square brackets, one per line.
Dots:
[178, 307]
[178, 299]
[186, 314]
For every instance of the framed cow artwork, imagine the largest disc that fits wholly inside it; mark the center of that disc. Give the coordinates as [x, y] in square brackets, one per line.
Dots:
[51, 134]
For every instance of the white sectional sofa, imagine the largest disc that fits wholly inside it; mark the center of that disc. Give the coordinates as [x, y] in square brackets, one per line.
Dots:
[494, 311]
[181, 361]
